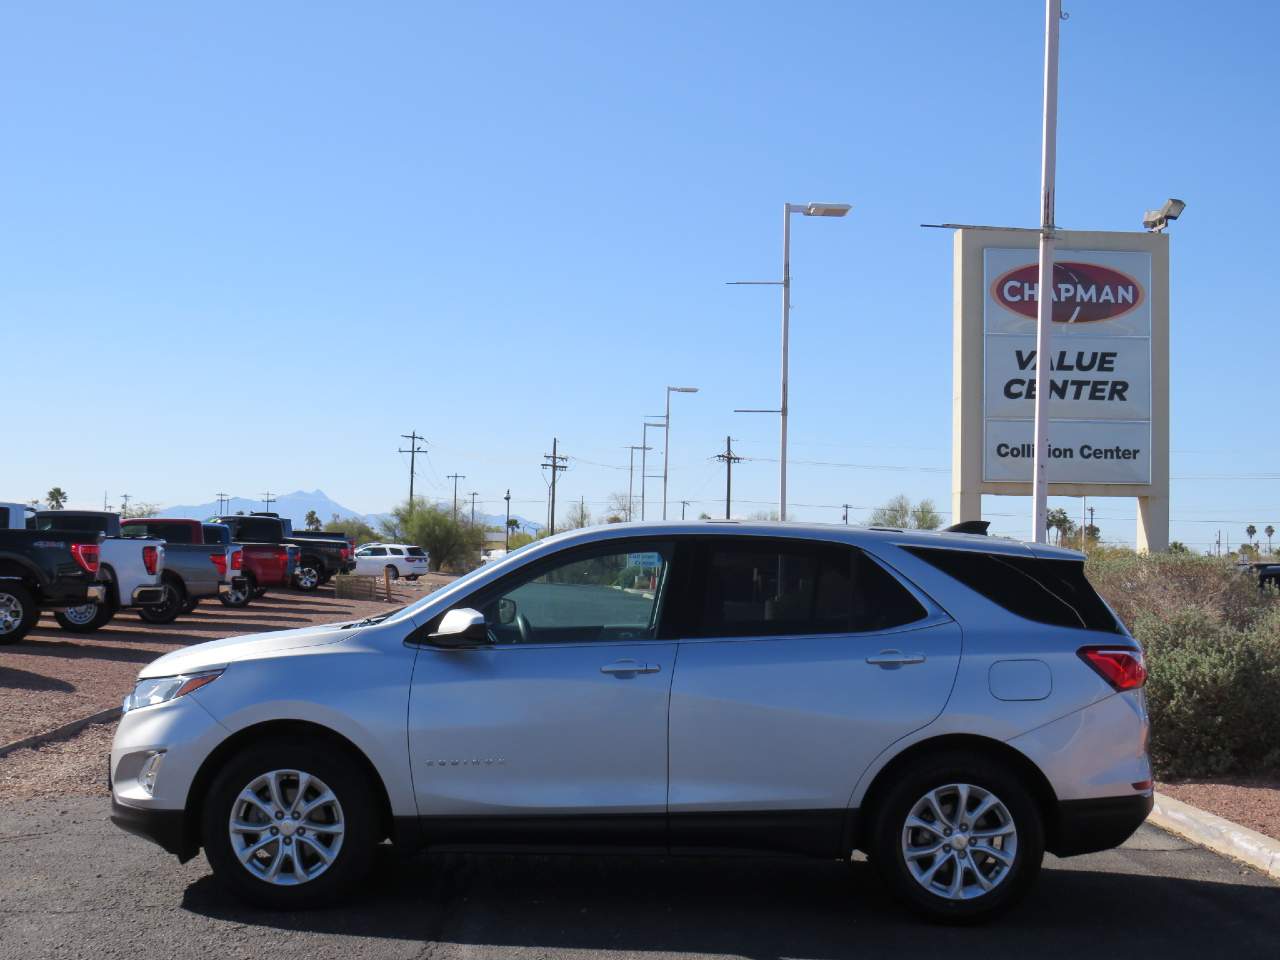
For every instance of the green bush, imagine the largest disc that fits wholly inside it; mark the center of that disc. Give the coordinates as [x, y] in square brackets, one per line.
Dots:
[1213, 693]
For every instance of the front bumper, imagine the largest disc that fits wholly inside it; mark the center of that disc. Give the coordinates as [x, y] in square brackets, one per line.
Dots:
[168, 828]
[1087, 826]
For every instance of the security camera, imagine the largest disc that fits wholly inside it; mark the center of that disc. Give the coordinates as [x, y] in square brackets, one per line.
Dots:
[1157, 220]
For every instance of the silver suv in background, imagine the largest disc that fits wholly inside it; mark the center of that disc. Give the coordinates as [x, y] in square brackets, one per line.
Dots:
[951, 704]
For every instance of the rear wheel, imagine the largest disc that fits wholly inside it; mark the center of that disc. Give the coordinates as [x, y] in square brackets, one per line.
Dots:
[308, 576]
[239, 597]
[18, 611]
[289, 825]
[175, 599]
[959, 838]
[86, 618]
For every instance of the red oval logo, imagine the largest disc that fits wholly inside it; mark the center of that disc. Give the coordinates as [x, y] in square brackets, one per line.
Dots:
[1082, 292]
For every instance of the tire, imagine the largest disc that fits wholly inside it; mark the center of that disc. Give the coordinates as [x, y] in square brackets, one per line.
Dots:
[18, 611]
[412, 578]
[190, 604]
[286, 761]
[933, 893]
[86, 618]
[259, 592]
[175, 598]
[308, 576]
[395, 574]
[237, 599]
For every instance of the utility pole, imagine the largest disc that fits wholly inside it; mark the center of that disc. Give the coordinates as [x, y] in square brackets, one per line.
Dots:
[557, 463]
[474, 494]
[455, 477]
[683, 505]
[268, 499]
[124, 503]
[846, 513]
[506, 530]
[223, 500]
[1084, 527]
[1218, 544]
[631, 478]
[413, 452]
[104, 501]
[1044, 296]
[729, 458]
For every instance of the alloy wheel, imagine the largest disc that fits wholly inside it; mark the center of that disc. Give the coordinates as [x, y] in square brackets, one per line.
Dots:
[308, 577]
[959, 841]
[11, 613]
[286, 827]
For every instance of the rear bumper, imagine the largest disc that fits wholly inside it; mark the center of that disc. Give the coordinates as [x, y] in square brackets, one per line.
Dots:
[167, 828]
[236, 583]
[147, 596]
[1087, 826]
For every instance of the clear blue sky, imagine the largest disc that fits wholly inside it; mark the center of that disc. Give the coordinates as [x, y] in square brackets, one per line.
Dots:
[245, 246]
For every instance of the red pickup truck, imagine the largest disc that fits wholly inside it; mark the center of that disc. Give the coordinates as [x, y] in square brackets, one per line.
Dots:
[255, 566]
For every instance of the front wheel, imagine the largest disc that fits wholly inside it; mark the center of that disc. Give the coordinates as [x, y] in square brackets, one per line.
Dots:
[18, 611]
[290, 825]
[86, 618]
[960, 838]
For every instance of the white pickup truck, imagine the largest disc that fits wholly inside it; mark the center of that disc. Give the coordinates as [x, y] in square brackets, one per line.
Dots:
[131, 567]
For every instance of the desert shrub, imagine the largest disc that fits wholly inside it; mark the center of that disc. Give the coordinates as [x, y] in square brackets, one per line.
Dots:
[1166, 585]
[1213, 692]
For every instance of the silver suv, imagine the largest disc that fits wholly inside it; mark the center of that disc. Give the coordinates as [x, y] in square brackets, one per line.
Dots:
[953, 705]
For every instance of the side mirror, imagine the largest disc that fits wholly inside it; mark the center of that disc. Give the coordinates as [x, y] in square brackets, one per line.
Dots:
[461, 627]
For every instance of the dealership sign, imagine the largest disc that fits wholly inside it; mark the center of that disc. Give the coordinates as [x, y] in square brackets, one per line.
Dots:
[1100, 387]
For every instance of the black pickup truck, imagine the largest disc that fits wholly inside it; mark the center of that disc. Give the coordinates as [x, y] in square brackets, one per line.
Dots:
[45, 570]
[319, 559]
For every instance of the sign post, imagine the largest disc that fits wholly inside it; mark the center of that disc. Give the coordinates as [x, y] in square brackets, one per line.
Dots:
[1105, 383]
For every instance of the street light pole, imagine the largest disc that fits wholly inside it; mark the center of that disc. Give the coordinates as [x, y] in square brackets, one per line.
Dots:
[1044, 295]
[666, 441]
[808, 210]
[644, 460]
[507, 529]
[631, 478]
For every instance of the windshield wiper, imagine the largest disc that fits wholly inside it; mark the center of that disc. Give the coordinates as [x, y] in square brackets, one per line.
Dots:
[370, 621]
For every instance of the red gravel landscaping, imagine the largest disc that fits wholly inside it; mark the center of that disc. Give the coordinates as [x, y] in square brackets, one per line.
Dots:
[1252, 802]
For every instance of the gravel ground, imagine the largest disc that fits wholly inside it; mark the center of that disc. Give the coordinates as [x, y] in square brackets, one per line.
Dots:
[54, 676]
[1252, 802]
[63, 768]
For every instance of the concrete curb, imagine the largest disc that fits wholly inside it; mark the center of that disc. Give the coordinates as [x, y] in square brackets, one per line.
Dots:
[64, 732]
[1219, 835]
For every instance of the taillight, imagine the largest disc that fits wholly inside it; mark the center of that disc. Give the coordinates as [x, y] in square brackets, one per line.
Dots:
[86, 554]
[219, 561]
[151, 559]
[1122, 667]
[346, 553]
[237, 560]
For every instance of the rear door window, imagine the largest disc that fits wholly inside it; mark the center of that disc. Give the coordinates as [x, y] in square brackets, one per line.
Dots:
[754, 587]
[1053, 592]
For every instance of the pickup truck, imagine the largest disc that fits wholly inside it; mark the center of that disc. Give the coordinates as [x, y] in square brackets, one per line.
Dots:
[193, 569]
[267, 562]
[320, 558]
[45, 571]
[131, 569]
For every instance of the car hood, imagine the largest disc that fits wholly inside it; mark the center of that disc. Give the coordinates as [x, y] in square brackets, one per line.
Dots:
[254, 646]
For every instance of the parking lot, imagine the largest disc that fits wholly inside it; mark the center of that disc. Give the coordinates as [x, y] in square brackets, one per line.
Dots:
[75, 886]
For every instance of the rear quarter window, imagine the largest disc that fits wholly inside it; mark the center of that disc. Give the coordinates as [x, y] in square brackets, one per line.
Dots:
[1053, 592]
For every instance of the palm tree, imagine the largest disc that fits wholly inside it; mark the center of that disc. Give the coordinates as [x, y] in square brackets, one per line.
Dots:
[1270, 531]
[1252, 531]
[56, 498]
[312, 520]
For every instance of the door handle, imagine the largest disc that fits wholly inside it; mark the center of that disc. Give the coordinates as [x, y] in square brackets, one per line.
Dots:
[895, 658]
[629, 668]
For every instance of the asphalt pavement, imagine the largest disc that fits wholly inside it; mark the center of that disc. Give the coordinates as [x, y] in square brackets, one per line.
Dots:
[72, 885]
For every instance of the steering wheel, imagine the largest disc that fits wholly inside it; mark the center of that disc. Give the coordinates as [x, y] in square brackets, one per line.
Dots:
[526, 631]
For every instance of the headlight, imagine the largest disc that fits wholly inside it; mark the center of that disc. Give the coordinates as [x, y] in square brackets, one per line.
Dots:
[147, 693]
